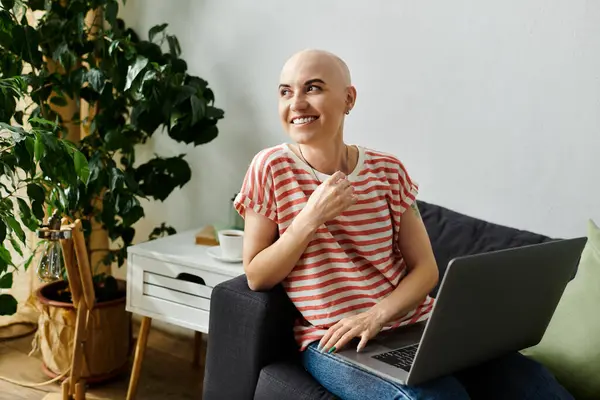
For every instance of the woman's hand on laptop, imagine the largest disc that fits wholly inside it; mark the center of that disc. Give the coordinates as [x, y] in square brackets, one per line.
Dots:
[365, 325]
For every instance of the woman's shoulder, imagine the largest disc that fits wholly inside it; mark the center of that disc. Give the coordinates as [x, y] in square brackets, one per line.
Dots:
[269, 156]
[375, 157]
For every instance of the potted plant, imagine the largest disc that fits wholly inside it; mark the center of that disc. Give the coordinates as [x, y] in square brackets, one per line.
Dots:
[108, 92]
[27, 179]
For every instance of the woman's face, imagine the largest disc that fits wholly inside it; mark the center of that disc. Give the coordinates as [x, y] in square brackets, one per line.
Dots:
[314, 95]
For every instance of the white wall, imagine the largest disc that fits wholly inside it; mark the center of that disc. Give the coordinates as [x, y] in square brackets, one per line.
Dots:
[493, 106]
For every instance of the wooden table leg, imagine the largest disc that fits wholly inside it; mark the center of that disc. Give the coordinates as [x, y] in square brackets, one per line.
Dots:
[198, 349]
[140, 349]
[80, 390]
[66, 385]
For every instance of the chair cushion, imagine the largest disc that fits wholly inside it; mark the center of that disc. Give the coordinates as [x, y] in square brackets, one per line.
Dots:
[289, 380]
[570, 347]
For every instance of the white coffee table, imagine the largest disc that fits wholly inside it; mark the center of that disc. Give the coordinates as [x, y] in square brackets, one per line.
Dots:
[171, 279]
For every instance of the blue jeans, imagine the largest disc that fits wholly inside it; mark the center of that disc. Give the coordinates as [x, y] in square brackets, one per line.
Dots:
[513, 377]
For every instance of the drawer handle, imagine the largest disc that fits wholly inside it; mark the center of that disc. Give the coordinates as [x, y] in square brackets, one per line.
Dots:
[190, 278]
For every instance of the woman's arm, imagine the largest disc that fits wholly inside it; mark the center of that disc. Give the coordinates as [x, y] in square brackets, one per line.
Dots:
[422, 270]
[268, 260]
[411, 291]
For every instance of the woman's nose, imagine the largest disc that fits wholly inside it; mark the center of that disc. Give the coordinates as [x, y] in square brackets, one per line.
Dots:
[299, 103]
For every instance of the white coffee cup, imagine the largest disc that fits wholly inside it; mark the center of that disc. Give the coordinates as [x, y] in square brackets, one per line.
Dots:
[231, 242]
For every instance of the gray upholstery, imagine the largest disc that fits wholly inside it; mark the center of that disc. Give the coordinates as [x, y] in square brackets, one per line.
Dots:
[251, 352]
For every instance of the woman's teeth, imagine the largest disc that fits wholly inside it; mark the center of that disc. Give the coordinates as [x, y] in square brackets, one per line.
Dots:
[297, 121]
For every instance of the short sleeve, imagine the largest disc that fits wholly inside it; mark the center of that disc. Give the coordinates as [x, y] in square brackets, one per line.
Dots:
[407, 188]
[258, 189]
[404, 194]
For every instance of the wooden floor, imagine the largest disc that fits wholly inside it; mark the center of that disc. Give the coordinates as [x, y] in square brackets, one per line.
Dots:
[167, 372]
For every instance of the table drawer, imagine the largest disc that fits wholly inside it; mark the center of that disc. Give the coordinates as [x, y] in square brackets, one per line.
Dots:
[179, 314]
[177, 297]
[164, 287]
[195, 289]
[175, 271]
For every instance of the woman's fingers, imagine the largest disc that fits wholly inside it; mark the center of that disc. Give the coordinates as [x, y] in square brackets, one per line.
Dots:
[348, 336]
[337, 176]
[335, 337]
[332, 329]
[364, 338]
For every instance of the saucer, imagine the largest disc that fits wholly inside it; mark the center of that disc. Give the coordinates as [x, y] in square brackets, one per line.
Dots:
[215, 252]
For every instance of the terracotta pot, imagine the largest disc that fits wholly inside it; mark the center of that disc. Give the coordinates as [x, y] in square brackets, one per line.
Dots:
[109, 342]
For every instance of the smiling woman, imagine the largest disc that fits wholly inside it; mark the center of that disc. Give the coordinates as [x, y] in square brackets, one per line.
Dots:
[315, 92]
[329, 222]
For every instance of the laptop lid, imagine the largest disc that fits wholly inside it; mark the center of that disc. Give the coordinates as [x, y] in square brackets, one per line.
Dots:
[494, 303]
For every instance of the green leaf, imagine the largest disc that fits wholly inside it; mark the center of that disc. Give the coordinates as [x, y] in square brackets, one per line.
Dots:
[68, 59]
[112, 9]
[198, 109]
[24, 159]
[62, 197]
[174, 48]
[96, 79]
[2, 231]
[135, 214]
[23, 207]
[155, 30]
[39, 148]
[36, 192]
[184, 93]
[16, 245]
[16, 227]
[113, 46]
[60, 51]
[214, 113]
[26, 215]
[42, 122]
[5, 259]
[38, 210]
[8, 4]
[134, 70]
[8, 304]
[30, 145]
[116, 179]
[29, 260]
[26, 44]
[6, 281]
[115, 140]
[81, 166]
[73, 196]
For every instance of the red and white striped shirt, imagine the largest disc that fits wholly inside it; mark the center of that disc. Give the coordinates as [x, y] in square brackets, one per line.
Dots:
[353, 261]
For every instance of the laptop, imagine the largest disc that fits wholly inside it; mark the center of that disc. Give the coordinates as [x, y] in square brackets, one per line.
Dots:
[488, 305]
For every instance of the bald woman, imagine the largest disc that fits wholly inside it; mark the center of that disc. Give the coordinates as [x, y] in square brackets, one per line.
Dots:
[337, 225]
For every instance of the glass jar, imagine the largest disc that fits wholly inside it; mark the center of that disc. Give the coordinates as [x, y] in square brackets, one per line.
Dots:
[51, 265]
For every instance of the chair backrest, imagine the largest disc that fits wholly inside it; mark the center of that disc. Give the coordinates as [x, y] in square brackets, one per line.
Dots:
[453, 234]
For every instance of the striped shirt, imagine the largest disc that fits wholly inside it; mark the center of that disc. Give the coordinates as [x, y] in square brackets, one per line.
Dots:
[353, 261]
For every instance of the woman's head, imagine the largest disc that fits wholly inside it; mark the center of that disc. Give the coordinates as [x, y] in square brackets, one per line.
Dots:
[315, 93]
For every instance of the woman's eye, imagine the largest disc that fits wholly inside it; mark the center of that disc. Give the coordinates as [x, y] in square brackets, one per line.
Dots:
[284, 92]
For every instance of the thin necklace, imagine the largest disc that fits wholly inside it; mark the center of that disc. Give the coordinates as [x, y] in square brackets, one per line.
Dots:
[311, 167]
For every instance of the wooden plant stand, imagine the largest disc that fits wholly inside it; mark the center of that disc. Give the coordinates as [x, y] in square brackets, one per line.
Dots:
[84, 299]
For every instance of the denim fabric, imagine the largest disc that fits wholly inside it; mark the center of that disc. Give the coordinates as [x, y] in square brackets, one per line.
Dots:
[513, 377]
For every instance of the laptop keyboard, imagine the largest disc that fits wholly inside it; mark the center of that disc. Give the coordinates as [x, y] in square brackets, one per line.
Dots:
[401, 358]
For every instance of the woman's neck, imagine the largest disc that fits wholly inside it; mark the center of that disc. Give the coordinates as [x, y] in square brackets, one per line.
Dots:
[328, 158]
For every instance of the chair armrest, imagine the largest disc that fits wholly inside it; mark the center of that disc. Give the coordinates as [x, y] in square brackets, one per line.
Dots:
[247, 331]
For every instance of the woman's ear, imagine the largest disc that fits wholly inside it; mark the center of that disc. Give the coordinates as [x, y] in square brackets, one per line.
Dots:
[350, 98]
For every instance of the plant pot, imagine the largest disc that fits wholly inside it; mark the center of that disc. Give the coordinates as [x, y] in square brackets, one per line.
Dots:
[108, 344]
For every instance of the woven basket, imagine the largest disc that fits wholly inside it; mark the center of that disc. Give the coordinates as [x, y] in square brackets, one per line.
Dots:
[108, 345]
